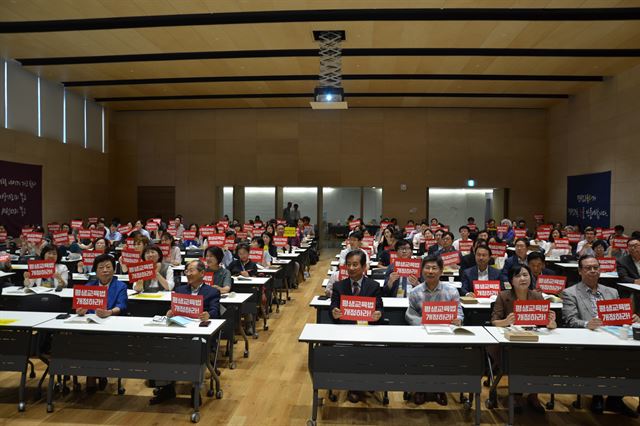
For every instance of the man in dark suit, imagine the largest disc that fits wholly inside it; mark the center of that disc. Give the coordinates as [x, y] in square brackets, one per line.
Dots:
[356, 285]
[535, 261]
[211, 309]
[480, 272]
[629, 264]
[520, 257]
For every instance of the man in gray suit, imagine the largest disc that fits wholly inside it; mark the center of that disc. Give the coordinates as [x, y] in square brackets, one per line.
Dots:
[629, 264]
[579, 311]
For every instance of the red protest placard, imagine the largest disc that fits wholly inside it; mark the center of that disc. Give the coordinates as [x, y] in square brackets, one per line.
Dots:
[92, 220]
[439, 312]
[130, 243]
[76, 224]
[223, 224]
[543, 233]
[41, 268]
[574, 237]
[562, 244]
[165, 248]
[151, 226]
[429, 243]
[125, 229]
[88, 256]
[393, 255]
[498, 249]
[343, 274]
[5, 258]
[216, 240]
[531, 312]
[409, 229]
[172, 231]
[60, 238]
[27, 230]
[90, 297]
[208, 278]
[130, 256]
[242, 235]
[434, 228]
[607, 232]
[354, 224]
[502, 229]
[53, 227]
[472, 226]
[256, 254]
[538, 217]
[84, 234]
[207, 230]
[407, 267]
[187, 305]
[368, 241]
[445, 228]
[599, 233]
[620, 243]
[3, 236]
[281, 222]
[465, 245]
[230, 243]
[383, 225]
[357, 308]
[451, 258]
[156, 220]
[552, 284]
[247, 227]
[280, 241]
[34, 237]
[142, 271]
[189, 235]
[615, 311]
[173, 223]
[607, 264]
[520, 233]
[482, 288]
[97, 233]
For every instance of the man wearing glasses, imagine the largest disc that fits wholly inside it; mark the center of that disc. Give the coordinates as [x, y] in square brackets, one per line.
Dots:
[394, 284]
[629, 264]
[579, 311]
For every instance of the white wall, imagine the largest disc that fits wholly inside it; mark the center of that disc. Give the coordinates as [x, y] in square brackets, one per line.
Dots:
[227, 202]
[372, 204]
[259, 201]
[340, 203]
[453, 206]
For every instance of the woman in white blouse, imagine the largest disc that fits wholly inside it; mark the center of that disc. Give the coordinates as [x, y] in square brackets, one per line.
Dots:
[60, 277]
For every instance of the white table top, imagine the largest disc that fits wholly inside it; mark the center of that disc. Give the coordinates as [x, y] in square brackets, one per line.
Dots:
[410, 334]
[18, 291]
[87, 277]
[570, 336]
[326, 281]
[19, 266]
[269, 270]
[280, 261]
[6, 274]
[332, 270]
[178, 268]
[288, 255]
[133, 325]
[165, 296]
[635, 287]
[568, 264]
[250, 280]
[26, 319]
[387, 302]
[373, 264]
[485, 303]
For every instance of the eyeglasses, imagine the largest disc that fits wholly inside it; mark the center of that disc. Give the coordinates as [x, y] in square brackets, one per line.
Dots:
[591, 268]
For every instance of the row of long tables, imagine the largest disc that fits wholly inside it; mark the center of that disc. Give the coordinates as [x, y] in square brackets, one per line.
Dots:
[408, 358]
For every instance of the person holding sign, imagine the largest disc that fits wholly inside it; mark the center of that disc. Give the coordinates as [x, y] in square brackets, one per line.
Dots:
[175, 257]
[354, 242]
[579, 310]
[196, 241]
[258, 243]
[60, 277]
[99, 246]
[480, 272]
[585, 246]
[503, 312]
[195, 286]
[519, 258]
[553, 248]
[535, 261]
[629, 265]
[357, 284]
[243, 265]
[164, 273]
[140, 243]
[464, 237]
[397, 283]
[221, 276]
[105, 267]
[431, 290]
[267, 237]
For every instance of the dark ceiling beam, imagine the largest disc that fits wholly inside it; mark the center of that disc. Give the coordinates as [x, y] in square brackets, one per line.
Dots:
[312, 77]
[354, 52]
[338, 15]
[347, 96]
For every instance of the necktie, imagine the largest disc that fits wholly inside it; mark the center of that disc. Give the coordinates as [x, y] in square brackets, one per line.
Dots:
[356, 288]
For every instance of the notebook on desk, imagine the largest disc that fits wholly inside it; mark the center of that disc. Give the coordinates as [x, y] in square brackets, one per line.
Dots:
[447, 330]
[86, 319]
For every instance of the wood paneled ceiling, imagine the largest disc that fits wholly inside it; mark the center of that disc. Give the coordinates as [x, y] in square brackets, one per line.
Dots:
[172, 54]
